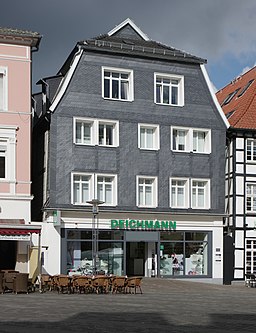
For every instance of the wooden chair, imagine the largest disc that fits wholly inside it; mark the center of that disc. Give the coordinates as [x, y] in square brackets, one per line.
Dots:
[119, 284]
[134, 283]
[9, 280]
[20, 283]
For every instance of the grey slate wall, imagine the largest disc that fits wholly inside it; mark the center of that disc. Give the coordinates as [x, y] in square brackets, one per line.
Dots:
[83, 98]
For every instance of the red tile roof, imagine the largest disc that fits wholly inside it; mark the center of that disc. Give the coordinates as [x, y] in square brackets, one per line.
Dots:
[241, 108]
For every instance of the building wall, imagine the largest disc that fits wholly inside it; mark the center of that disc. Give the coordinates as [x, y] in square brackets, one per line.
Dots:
[15, 119]
[84, 99]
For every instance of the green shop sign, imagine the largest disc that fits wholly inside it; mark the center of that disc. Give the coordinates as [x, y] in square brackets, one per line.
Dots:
[143, 224]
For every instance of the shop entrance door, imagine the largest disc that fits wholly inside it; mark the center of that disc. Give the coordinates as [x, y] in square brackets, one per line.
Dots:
[8, 251]
[135, 258]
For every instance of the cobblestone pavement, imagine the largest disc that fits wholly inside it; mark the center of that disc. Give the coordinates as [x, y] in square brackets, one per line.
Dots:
[165, 306]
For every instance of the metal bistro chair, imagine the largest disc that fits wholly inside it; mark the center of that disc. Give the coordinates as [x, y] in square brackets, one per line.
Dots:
[134, 283]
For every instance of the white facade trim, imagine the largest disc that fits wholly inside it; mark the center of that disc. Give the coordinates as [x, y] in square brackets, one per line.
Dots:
[209, 84]
[65, 82]
[132, 24]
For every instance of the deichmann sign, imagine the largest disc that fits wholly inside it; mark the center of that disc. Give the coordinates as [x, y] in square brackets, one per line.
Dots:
[143, 224]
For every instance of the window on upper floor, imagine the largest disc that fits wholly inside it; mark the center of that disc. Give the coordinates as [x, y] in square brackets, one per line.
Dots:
[107, 189]
[251, 150]
[200, 193]
[83, 185]
[169, 89]
[148, 136]
[2, 160]
[101, 132]
[82, 188]
[201, 141]
[245, 88]
[251, 198]
[3, 88]
[117, 84]
[229, 98]
[8, 146]
[190, 140]
[146, 191]
[179, 189]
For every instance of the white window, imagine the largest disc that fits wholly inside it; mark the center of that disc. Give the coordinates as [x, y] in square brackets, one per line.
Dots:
[180, 139]
[83, 133]
[146, 191]
[251, 150]
[96, 132]
[200, 193]
[107, 189]
[8, 153]
[201, 141]
[251, 198]
[117, 84]
[191, 140]
[179, 193]
[86, 187]
[3, 159]
[82, 188]
[148, 136]
[169, 89]
[3, 88]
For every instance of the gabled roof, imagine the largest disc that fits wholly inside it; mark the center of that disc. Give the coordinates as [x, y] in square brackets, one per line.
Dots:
[128, 39]
[17, 36]
[238, 100]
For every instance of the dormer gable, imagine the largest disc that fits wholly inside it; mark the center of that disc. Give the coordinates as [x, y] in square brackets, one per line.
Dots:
[128, 29]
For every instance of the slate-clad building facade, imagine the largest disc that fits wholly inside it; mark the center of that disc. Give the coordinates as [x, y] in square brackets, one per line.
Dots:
[134, 124]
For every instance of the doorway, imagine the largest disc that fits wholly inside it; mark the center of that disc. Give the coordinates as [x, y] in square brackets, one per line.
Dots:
[135, 258]
[8, 252]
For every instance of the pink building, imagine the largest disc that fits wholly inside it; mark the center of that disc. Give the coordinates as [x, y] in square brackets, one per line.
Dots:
[16, 47]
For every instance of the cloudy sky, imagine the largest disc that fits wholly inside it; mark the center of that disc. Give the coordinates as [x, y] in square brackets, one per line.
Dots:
[221, 31]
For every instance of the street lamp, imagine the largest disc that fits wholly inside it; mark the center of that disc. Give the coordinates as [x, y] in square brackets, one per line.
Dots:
[95, 232]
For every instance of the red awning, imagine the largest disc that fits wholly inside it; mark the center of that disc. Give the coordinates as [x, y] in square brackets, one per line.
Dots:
[16, 231]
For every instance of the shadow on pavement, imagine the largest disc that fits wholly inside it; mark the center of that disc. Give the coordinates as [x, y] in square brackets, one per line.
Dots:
[134, 322]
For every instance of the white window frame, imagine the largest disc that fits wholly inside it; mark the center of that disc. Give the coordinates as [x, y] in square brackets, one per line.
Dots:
[8, 143]
[4, 75]
[156, 141]
[189, 139]
[207, 144]
[253, 153]
[186, 192]
[130, 79]
[180, 86]
[91, 194]
[154, 192]
[94, 131]
[207, 198]
[115, 125]
[114, 189]
[252, 197]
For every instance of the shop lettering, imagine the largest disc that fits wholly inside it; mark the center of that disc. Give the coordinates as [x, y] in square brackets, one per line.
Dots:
[143, 224]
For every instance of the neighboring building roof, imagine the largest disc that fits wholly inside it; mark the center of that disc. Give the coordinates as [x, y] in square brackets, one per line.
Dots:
[238, 100]
[17, 36]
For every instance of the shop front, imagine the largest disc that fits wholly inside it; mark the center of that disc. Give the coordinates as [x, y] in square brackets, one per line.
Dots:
[147, 248]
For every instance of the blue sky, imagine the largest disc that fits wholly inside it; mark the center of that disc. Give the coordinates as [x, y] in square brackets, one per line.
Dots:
[221, 31]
